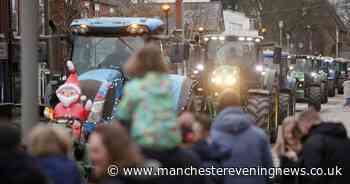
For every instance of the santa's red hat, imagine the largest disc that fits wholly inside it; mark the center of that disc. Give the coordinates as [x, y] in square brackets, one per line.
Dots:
[72, 82]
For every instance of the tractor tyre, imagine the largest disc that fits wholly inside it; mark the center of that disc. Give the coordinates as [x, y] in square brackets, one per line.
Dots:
[283, 107]
[340, 86]
[331, 88]
[315, 97]
[260, 107]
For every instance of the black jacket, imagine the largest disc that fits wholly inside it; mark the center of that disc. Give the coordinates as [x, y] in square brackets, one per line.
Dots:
[327, 147]
[212, 155]
[287, 179]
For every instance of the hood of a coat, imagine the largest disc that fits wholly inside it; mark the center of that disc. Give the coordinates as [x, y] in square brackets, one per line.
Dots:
[330, 129]
[232, 121]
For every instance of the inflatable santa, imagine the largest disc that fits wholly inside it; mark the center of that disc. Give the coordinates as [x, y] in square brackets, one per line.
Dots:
[69, 95]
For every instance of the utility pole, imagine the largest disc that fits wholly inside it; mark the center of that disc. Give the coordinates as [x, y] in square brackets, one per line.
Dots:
[9, 54]
[29, 65]
[337, 41]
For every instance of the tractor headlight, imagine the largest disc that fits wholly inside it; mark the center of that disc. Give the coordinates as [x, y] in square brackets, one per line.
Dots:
[200, 67]
[224, 77]
[83, 28]
[313, 74]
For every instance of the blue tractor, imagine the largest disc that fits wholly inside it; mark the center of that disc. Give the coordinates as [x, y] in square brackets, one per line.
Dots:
[100, 48]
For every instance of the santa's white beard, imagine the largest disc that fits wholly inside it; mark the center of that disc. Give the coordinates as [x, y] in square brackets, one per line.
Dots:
[67, 101]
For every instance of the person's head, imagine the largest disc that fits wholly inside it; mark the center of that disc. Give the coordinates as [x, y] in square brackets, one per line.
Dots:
[228, 98]
[186, 121]
[201, 127]
[307, 120]
[45, 140]
[287, 136]
[147, 59]
[10, 137]
[111, 144]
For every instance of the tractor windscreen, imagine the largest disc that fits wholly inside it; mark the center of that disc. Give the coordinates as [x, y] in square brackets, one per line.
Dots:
[231, 52]
[303, 65]
[91, 52]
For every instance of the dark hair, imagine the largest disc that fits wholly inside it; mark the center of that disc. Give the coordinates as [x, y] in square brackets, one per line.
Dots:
[204, 121]
[147, 59]
[228, 98]
[121, 148]
[10, 136]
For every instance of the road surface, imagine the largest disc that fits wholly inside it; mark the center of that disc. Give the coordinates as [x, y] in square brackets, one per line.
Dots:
[333, 111]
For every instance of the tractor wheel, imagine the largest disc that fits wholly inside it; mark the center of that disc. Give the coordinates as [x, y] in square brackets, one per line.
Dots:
[259, 107]
[324, 93]
[283, 107]
[331, 88]
[340, 86]
[315, 97]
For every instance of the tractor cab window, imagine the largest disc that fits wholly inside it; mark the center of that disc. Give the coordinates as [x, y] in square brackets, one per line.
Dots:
[103, 52]
[231, 52]
[303, 65]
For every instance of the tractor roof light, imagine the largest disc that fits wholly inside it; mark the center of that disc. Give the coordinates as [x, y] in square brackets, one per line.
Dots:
[206, 39]
[83, 28]
[200, 67]
[136, 29]
[214, 38]
[222, 38]
[249, 39]
[257, 40]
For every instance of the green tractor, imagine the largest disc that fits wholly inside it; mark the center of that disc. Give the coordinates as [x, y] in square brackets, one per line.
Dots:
[327, 65]
[311, 83]
[232, 62]
[341, 73]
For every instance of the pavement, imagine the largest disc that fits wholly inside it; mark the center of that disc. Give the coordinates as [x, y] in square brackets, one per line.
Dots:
[332, 111]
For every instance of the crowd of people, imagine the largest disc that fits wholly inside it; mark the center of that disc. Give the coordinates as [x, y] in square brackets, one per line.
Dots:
[147, 133]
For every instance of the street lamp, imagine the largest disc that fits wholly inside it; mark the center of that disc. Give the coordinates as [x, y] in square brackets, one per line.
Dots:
[166, 10]
[281, 25]
[288, 41]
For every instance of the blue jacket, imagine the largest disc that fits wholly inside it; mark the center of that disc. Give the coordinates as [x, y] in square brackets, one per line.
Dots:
[249, 145]
[59, 170]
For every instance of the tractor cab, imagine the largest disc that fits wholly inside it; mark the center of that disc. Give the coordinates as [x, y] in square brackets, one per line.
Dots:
[341, 73]
[101, 46]
[311, 81]
[231, 53]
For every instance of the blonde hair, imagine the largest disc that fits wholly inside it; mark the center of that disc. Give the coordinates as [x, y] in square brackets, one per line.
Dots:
[280, 146]
[146, 59]
[47, 140]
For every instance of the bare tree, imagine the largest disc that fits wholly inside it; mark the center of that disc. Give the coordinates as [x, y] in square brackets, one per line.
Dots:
[63, 12]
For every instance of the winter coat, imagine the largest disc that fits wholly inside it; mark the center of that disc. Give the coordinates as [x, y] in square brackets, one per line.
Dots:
[249, 145]
[327, 146]
[19, 168]
[59, 169]
[287, 163]
[212, 154]
[176, 158]
[149, 106]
